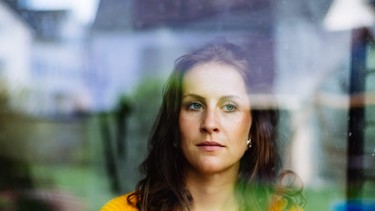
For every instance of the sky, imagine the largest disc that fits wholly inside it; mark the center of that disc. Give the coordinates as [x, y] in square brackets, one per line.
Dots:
[83, 10]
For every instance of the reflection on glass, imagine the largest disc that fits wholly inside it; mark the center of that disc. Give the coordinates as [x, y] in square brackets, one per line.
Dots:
[66, 68]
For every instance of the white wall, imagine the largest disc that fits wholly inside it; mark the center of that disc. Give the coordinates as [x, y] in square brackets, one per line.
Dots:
[15, 43]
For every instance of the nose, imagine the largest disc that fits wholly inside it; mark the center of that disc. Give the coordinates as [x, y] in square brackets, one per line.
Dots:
[210, 122]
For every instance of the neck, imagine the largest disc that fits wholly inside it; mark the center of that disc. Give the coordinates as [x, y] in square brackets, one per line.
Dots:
[212, 191]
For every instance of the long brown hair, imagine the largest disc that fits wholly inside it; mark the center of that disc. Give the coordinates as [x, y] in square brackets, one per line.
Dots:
[162, 188]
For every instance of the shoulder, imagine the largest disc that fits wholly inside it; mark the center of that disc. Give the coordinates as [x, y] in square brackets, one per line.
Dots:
[119, 203]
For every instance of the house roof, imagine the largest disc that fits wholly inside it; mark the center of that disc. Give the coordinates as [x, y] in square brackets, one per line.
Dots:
[145, 14]
[113, 15]
[17, 12]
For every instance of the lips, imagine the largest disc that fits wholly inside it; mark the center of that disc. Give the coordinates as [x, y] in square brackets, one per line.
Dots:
[210, 143]
[210, 146]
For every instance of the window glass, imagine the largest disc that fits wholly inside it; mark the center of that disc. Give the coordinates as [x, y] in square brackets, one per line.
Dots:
[83, 83]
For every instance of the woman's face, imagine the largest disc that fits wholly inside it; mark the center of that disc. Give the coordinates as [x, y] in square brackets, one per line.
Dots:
[214, 118]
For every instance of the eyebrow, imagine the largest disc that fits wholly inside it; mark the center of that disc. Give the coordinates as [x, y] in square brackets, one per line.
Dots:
[193, 96]
[198, 97]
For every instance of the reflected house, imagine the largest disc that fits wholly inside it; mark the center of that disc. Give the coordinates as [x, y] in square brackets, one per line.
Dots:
[16, 38]
[57, 67]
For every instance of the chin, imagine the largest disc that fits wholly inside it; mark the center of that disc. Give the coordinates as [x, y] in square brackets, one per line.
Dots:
[211, 168]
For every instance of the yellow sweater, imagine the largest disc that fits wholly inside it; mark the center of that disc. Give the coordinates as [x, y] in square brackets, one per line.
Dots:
[121, 204]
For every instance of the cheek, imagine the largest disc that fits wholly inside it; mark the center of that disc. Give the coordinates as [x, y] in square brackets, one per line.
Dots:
[240, 124]
[187, 124]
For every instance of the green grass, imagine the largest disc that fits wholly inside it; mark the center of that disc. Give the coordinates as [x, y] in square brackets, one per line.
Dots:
[323, 198]
[84, 183]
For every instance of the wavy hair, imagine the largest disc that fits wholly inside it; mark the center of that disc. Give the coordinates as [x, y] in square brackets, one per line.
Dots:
[259, 181]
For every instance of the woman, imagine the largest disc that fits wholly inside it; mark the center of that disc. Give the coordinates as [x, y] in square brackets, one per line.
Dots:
[210, 148]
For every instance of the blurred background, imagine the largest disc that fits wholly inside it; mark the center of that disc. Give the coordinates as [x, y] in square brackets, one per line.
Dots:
[81, 82]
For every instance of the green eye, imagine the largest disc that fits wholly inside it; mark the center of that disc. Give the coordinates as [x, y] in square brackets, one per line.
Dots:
[229, 107]
[195, 106]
